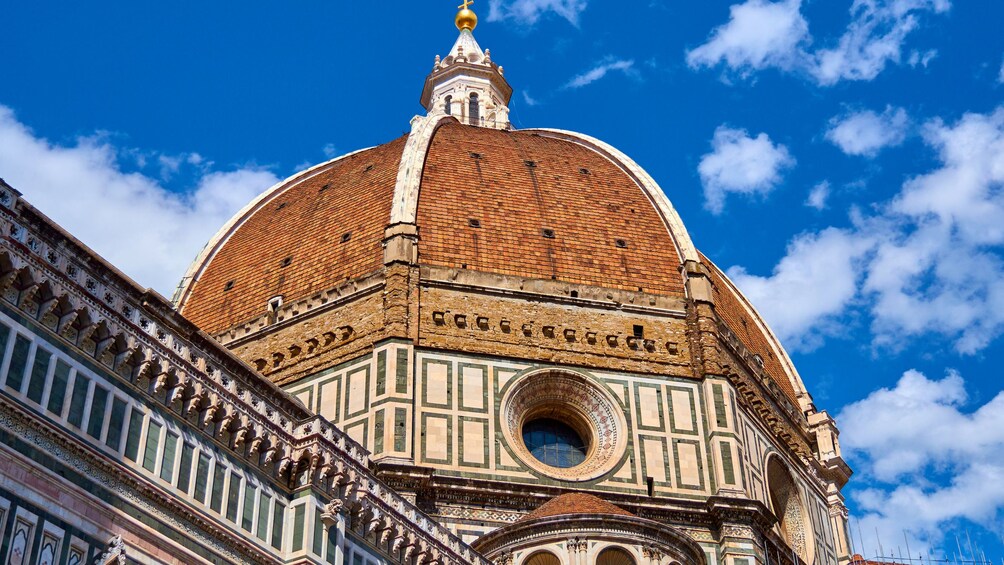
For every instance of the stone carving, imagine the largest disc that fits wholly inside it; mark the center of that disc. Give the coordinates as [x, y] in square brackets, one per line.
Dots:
[114, 554]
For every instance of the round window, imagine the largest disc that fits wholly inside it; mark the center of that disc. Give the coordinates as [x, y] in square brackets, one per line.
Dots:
[554, 443]
[562, 424]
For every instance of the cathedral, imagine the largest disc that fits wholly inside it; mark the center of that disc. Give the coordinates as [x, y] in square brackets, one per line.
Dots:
[471, 345]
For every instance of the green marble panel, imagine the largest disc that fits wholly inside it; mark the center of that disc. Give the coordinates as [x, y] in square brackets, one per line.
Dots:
[57, 392]
[233, 496]
[39, 370]
[317, 543]
[216, 498]
[202, 478]
[400, 428]
[77, 400]
[18, 360]
[278, 511]
[719, 399]
[96, 418]
[727, 467]
[134, 434]
[381, 372]
[378, 431]
[114, 437]
[263, 513]
[167, 460]
[185, 466]
[401, 374]
[152, 442]
[299, 514]
[247, 516]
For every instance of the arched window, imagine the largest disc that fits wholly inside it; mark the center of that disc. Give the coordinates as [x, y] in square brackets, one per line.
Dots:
[542, 558]
[449, 105]
[614, 556]
[787, 506]
[475, 111]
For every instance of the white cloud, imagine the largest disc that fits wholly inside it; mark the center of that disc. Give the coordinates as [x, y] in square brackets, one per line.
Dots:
[527, 12]
[131, 219]
[530, 100]
[874, 38]
[762, 34]
[928, 460]
[866, 133]
[330, 151]
[818, 196]
[741, 164]
[943, 272]
[809, 288]
[931, 259]
[759, 34]
[1000, 75]
[601, 70]
[921, 59]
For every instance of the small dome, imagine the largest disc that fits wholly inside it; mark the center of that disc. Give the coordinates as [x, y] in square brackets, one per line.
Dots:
[572, 504]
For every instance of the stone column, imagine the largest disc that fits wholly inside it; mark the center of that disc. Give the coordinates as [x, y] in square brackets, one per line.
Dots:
[652, 554]
[333, 518]
[572, 545]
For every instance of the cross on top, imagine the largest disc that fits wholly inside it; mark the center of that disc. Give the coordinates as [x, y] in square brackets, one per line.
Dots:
[465, 4]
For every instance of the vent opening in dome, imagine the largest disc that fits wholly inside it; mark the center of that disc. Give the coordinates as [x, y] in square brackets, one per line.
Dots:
[547, 233]
[474, 222]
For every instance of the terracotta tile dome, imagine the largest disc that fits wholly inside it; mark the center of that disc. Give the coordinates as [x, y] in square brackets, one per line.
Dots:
[307, 234]
[574, 503]
[524, 203]
[536, 204]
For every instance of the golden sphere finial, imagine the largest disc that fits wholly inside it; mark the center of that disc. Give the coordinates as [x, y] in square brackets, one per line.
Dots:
[466, 18]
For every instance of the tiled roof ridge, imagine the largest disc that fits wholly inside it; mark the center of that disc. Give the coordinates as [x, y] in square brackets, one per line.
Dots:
[731, 306]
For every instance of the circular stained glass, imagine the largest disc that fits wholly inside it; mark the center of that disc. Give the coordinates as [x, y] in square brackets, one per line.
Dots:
[554, 443]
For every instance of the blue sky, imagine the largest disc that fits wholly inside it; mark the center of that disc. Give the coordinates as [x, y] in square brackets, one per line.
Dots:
[842, 159]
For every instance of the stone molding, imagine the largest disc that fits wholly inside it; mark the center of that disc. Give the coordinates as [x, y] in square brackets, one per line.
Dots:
[409, 173]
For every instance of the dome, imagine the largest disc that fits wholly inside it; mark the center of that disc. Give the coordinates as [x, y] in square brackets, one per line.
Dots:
[574, 503]
[536, 204]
